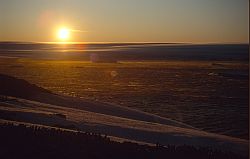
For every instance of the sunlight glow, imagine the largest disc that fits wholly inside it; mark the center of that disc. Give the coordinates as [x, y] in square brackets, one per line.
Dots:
[63, 34]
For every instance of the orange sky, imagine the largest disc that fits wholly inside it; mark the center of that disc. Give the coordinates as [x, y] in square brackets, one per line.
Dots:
[196, 21]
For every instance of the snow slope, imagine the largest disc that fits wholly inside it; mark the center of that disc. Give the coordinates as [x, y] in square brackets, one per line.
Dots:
[164, 132]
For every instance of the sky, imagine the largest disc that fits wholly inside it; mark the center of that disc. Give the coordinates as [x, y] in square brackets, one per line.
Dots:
[193, 21]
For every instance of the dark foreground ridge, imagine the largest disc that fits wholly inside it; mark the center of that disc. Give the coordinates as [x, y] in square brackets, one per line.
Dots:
[12, 86]
[22, 141]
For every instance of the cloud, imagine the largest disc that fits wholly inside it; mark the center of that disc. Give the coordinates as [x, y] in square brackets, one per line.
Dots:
[82, 31]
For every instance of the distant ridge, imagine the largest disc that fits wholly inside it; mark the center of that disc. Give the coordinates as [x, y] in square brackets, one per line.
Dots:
[126, 51]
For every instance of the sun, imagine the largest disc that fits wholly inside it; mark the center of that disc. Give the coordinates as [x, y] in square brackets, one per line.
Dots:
[63, 34]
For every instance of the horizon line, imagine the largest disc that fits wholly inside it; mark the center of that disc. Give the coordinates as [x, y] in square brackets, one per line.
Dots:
[97, 42]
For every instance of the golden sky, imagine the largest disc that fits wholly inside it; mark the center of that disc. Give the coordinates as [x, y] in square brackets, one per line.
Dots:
[196, 21]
